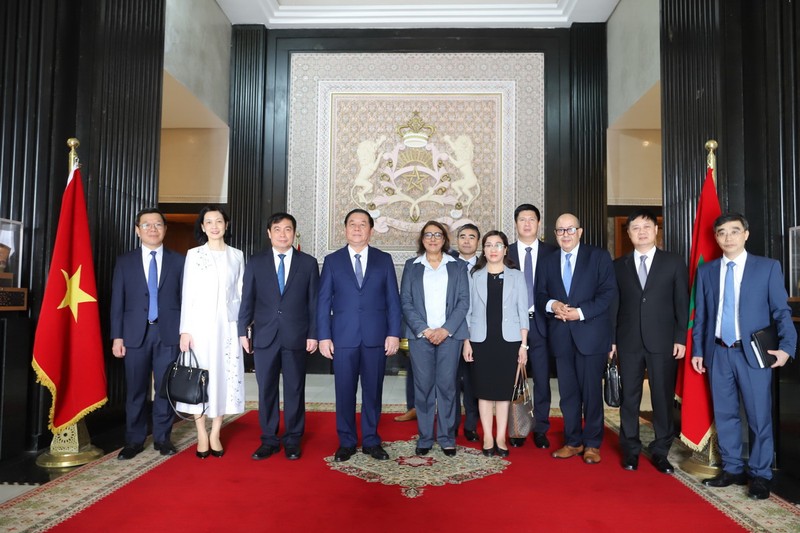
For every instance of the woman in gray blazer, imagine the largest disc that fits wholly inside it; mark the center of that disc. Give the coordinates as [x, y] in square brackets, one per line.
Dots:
[498, 336]
[434, 294]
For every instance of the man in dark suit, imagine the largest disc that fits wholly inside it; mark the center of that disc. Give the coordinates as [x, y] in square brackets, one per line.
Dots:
[468, 237]
[145, 328]
[279, 297]
[527, 254]
[736, 296]
[358, 322]
[651, 318]
[577, 290]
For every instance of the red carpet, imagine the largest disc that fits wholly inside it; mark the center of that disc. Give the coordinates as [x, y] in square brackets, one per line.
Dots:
[534, 493]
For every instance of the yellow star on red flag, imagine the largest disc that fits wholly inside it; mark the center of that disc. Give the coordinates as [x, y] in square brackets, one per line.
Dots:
[74, 295]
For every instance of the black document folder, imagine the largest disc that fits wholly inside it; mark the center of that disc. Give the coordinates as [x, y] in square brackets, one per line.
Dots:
[763, 340]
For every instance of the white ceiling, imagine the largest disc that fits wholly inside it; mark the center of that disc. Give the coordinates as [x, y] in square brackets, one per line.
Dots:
[416, 13]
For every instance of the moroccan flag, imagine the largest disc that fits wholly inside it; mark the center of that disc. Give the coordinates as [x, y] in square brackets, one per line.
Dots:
[68, 348]
[692, 389]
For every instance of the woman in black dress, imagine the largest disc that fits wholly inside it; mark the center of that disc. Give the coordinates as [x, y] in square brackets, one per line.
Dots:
[498, 336]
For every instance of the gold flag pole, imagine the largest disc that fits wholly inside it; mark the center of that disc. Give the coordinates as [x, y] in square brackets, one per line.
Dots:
[72, 446]
[706, 462]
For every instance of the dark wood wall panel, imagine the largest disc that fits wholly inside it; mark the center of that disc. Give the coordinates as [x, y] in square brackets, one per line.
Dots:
[248, 154]
[91, 70]
[561, 190]
[588, 129]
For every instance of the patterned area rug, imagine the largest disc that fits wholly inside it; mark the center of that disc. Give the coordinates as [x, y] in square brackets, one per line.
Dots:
[46, 506]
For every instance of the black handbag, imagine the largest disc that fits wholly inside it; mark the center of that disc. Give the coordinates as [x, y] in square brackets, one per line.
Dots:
[520, 411]
[185, 382]
[612, 385]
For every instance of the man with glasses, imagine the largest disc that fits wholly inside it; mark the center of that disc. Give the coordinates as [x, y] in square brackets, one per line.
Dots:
[650, 333]
[145, 328]
[527, 254]
[577, 290]
[737, 295]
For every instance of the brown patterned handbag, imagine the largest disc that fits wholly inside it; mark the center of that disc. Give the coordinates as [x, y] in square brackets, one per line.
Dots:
[520, 411]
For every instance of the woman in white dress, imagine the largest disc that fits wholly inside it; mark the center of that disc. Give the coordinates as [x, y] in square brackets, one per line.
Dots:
[212, 293]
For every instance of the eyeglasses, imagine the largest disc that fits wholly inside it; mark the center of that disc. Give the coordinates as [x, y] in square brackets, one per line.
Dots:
[496, 246]
[146, 226]
[570, 231]
[429, 235]
[732, 233]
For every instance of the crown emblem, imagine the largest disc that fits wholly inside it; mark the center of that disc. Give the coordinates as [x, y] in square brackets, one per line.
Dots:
[415, 132]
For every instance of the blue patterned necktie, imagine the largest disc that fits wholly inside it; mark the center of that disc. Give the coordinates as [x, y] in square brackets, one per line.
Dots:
[642, 270]
[567, 277]
[359, 271]
[728, 325]
[281, 273]
[152, 288]
[529, 275]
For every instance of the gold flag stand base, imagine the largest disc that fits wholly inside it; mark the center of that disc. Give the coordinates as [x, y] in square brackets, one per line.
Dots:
[71, 447]
[704, 463]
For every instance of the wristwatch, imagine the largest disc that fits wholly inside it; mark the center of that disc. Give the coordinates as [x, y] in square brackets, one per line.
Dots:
[524, 346]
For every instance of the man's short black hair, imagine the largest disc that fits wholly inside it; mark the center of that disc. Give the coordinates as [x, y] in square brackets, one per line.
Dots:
[731, 217]
[471, 226]
[646, 214]
[527, 207]
[363, 212]
[274, 218]
[148, 211]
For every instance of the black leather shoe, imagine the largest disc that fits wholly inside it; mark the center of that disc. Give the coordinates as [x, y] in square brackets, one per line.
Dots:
[540, 440]
[759, 488]
[500, 451]
[421, 451]
[344, 453]
[663, 465]
[471, 435]
[217, 453]
[166, 448]
[203, 455]
[265, 450]
[449, 452]
[630, 462]
[516, 443]
[726, 479]
[130, 451]
[376, 452]
[292, 452]
[488, 452]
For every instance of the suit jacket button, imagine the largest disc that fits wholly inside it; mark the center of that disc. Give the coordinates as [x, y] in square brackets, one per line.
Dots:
[644, 300]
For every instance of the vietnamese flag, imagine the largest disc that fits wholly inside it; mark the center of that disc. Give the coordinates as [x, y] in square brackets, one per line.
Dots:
[692, 389]
[68, 348]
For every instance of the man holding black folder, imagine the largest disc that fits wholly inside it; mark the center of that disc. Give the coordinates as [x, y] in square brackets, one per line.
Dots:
[737, 296]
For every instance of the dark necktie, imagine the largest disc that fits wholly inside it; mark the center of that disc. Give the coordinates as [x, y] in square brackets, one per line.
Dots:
[359, 271]
[529, 275]
[728, 326]
[567, 274]
[642, 270]
[281, 273]
[152, 288]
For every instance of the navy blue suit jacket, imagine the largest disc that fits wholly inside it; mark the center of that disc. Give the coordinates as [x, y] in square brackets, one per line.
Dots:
[545, 249]
[412, 298]
[762, 298]
[130, 298]
[350, 315]
[292, 317]
[593, 290]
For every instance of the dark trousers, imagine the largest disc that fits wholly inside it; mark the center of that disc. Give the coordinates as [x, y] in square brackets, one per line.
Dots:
[730, 375]
[580, 384]
[539, 361]
[270, 363]
[661, 371]
[409, 385]
[464, 385]
[435, 390]
[368, 363]
[151, 359]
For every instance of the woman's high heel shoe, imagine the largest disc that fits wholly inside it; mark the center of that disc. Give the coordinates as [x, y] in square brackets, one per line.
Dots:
[203, 455]
[217, 453]
[488, 452]
[500, 451]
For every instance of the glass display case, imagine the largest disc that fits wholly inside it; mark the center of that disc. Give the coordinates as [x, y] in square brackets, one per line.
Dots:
[10, 252]
[794, 262]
